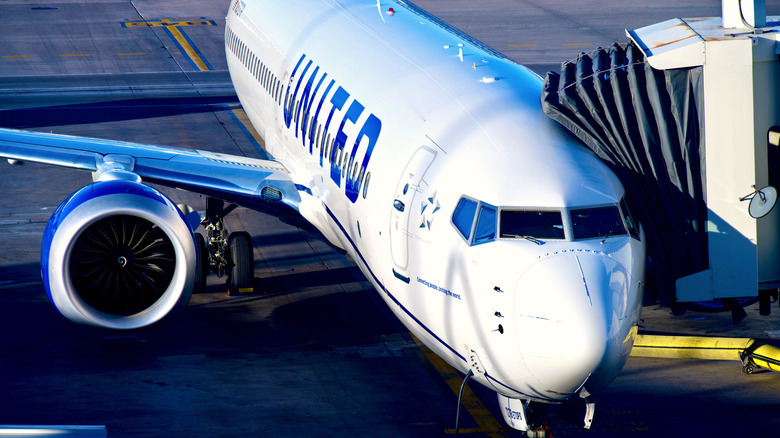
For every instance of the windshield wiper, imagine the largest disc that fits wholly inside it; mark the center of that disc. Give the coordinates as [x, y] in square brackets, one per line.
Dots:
[608, 235]
[532, 239]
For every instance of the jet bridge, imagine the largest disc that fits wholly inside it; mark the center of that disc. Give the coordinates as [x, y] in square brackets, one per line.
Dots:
[687, 116]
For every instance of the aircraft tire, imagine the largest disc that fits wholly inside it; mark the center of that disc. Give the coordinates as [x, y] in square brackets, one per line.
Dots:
[537, 433]
[242, 266]
[202, 266]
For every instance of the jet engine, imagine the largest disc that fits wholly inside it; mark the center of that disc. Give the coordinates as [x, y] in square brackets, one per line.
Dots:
[118, 254]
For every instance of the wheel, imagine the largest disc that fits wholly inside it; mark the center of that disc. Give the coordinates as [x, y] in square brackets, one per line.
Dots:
[537, 433]
[747, 368]
[202, 265]
[242, 263]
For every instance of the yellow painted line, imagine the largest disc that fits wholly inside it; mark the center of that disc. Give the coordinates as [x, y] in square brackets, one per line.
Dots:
[488, 425]
[576, 44]
[131, 54]
[522, 45]
[17, 56]
[70, 55]
[196, 59]
[244, 119]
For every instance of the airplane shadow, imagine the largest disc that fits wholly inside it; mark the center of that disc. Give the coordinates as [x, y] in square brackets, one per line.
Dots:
[110, 111]
[337, 319]
[302, 280]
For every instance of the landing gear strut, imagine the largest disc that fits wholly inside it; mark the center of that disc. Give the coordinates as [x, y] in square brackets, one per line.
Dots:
[216, 241]
[224, 254]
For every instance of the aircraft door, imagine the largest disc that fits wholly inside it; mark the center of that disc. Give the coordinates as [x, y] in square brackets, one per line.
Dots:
[405, 194]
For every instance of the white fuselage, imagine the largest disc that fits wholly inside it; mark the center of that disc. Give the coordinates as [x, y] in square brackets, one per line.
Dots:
[388, 124]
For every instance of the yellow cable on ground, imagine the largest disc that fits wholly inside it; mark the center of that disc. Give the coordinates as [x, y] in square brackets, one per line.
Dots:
[750, 352]
[690, 347]
[765, 356]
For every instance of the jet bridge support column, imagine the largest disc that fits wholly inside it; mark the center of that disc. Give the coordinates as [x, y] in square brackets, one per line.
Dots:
[741, 97]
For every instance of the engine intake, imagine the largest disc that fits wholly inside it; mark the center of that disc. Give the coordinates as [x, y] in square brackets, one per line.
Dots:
[118, 254]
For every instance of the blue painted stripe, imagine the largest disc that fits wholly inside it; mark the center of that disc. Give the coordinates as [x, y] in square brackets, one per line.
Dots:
[303, 188]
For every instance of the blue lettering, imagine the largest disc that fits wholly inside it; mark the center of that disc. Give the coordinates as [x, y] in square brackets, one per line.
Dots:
[317, 116]
[338, 100]
[297, 114]
[307, 99]
[513, 415]
[288, 100]
[336, 166]
[370, 130]
[343, 162]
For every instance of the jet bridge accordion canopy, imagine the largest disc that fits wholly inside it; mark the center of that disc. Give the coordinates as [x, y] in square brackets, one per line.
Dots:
[647, 125]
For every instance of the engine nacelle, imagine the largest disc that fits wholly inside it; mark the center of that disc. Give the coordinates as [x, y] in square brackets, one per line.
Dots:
[118, 254]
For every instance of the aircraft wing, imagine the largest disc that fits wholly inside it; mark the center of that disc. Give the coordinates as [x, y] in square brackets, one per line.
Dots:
[247, 181]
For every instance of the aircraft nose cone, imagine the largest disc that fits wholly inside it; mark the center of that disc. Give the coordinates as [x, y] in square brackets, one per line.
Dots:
[568, 311]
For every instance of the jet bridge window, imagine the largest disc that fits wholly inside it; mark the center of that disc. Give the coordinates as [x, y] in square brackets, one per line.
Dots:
[596, 222]
[531, 224]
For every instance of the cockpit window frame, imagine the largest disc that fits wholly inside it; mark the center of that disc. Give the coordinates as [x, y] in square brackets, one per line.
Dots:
[566, 220]
[467, 239]
[482, 239]
[629, 219]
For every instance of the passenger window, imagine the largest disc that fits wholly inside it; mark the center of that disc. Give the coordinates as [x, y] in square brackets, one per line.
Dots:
[486, 224]
[522, 224]
[463, 216]
[633, 228]
[596, 222]
[360, 178]
[365, 185]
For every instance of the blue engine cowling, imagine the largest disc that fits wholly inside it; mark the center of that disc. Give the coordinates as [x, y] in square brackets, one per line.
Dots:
[118, 254]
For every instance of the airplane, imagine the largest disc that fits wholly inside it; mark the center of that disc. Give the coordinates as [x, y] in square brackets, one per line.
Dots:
[494, 236]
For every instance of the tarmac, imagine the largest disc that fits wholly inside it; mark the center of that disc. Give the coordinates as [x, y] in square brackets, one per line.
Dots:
[319, 355]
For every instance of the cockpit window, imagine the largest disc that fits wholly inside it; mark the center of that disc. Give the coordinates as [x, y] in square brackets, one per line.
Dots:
[463, 217]
[524, 224]
[486, 224]
[595, 222]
